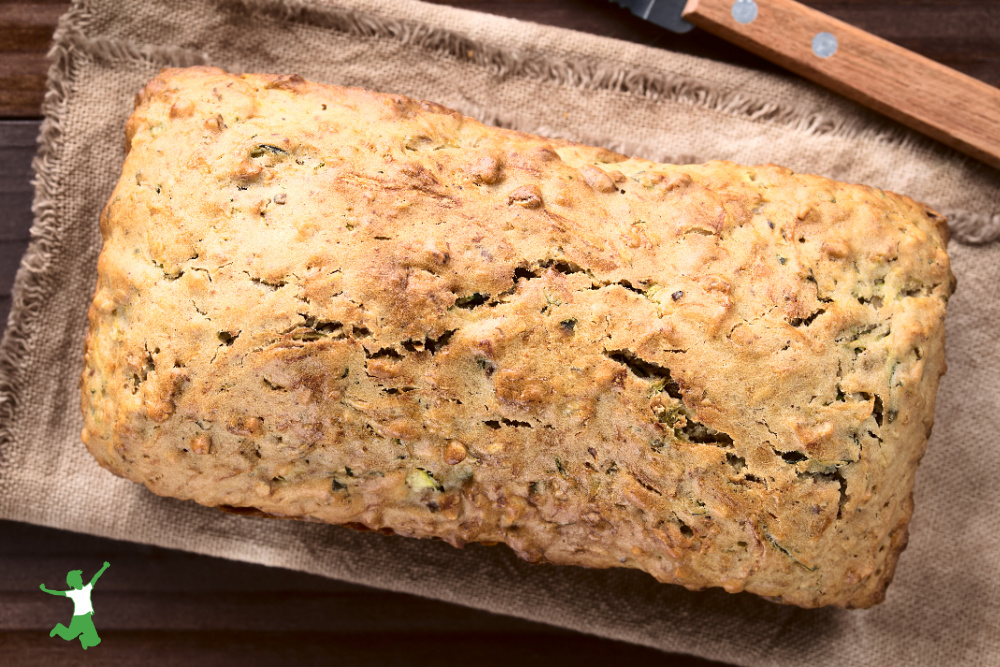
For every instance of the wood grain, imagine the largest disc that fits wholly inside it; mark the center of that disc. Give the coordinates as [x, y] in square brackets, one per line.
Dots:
[25, 34]
[17, 147]
[943, 103]
[162, 607]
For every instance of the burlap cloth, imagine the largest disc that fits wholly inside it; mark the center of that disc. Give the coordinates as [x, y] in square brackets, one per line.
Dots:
[943, 608]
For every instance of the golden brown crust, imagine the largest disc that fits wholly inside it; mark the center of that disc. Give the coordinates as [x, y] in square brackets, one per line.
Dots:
[337, 305]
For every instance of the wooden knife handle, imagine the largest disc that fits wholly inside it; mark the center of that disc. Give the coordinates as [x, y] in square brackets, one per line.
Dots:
[949, 106]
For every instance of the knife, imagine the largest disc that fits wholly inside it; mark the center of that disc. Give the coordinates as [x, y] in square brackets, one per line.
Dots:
[949, 106]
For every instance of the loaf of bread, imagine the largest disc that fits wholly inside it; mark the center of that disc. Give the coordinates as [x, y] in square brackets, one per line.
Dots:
[357, 308]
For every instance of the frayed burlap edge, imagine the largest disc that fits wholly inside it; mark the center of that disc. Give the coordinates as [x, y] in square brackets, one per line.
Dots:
[579, 73]
[32, 287]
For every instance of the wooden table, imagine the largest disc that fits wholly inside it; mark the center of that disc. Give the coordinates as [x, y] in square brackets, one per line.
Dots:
[164, 607]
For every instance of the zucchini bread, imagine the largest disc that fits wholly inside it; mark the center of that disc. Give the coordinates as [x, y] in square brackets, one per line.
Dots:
[351, 307]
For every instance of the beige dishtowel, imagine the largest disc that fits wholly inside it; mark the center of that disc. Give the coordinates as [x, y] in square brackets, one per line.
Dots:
[943, 608]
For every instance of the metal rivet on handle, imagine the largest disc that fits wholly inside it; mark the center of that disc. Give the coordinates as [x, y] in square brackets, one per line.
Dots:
[744, 11]
[824, 44]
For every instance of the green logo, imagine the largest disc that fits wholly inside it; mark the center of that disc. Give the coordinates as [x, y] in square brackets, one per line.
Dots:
[82, 625]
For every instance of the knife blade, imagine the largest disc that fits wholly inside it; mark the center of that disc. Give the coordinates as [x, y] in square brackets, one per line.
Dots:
[664, 13]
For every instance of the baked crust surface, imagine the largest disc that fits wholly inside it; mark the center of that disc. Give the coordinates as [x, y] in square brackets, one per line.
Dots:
[351, 307]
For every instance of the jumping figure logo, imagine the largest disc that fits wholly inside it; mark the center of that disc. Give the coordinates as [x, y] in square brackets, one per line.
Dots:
[82, 625]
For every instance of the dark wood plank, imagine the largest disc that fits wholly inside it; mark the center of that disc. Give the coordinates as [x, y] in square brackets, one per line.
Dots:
[164, 607]
[18, 143]
[247, 649]
[17, 148]
[25, 35]
[10, 258]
